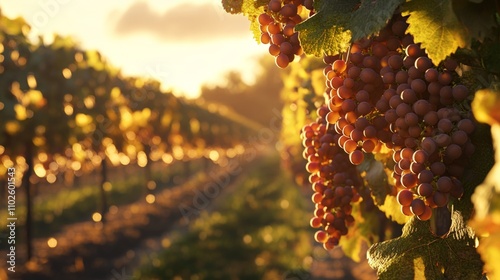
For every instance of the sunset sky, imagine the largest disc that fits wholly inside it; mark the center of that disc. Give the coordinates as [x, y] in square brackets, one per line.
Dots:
[181, 43]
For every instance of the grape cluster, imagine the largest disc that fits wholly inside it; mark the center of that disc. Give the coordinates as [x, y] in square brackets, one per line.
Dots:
[277, 25]
[334, 180]
[389, 95]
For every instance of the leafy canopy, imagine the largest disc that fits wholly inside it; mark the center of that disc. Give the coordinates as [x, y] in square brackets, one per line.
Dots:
[441, 26]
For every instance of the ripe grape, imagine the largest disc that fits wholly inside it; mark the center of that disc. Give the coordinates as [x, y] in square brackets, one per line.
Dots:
[412, 50]
[423, 63]
[265, 19]
[405, 197]
[444, 184]
[315, 222]
[282, 60]
[431, 75]
[321, 236]
[274, 50]
[426, 215]
[288, 10]
[440, 199]
[460, 92]
[275, 5]
[425, 189]
[417, 207]
[356, 157]
[277, 27]
[339, 66]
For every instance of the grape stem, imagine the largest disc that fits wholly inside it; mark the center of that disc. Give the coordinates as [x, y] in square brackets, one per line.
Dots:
[348, 52]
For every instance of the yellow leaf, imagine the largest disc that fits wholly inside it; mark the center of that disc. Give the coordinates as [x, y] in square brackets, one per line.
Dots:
[486, 105]
[392, 210]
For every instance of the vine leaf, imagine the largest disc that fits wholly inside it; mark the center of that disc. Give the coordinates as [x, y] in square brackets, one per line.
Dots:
[376, 179]
[326, 31]
[374, 173]
[365, 231]
[392, 210]
[478, 18]
[371, 17]
[491, 56]
[249, 8]
[337, 23]
[418, 252]
[435, 25]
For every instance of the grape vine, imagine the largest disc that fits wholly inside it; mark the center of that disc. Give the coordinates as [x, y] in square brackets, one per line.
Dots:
[400, 77]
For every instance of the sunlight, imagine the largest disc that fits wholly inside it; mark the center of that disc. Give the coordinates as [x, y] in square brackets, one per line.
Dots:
[167, 158]
[96, 217]
[66, 73]
[52, 242]
[151, 185]
[40, 170]
[51, 178]
[284, 204]
[247, 239]
[31, 81]
[150, 198]
[213, 155]
[107, 186]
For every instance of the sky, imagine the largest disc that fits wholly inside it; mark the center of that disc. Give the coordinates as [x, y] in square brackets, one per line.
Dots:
[182, 43]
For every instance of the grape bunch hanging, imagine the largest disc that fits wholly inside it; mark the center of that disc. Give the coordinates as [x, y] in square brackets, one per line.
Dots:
[277, 26]
[387, 96]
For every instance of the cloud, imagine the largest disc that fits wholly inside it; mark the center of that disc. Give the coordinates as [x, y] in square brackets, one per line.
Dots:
[184, 22]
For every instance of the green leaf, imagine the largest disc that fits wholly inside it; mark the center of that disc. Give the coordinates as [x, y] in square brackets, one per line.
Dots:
[371, 17]
[326, 31]
[434, 24]
[249, 8]
[337, 23]
[419, 254]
